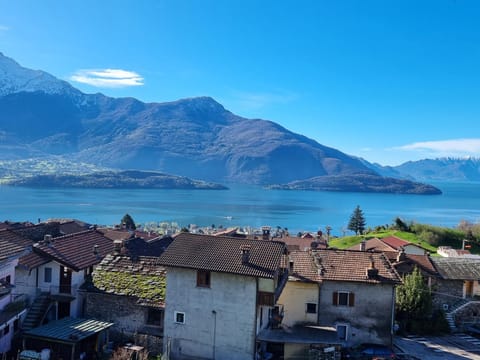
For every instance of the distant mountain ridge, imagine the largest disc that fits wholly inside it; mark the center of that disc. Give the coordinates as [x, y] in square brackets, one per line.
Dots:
[196, 137]
[441, 169]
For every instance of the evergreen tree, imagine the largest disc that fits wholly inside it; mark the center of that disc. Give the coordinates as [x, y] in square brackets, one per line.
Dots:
[357, 221]
[414, 303]
[128, 222]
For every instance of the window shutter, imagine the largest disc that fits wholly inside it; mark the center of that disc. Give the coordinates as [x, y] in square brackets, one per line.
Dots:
[335, 298]
[351, 299]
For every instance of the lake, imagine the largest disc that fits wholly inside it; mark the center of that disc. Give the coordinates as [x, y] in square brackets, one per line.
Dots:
[241, 205]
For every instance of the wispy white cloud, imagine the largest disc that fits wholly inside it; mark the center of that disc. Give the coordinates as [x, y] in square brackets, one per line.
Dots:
[4, 28]
[453, 147]
[108, 78]
[254, 101]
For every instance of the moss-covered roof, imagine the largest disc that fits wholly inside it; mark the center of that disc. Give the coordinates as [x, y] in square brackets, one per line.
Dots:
[142, 278]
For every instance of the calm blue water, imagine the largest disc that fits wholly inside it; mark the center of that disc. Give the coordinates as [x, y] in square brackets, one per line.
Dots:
[246, 205]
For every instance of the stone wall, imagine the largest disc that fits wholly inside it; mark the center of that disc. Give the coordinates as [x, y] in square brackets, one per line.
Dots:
[446, 292]
[129, 318]
[468, 315]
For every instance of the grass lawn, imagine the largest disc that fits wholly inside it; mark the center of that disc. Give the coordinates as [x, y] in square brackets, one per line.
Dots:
[349, 241]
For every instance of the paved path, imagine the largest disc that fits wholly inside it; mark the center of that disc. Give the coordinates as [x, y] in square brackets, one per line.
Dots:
[450, 347]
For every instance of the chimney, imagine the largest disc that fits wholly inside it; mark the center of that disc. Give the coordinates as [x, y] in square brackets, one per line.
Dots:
[117, 247]
[363, 245]
[245, 249]
[47, 239]
[290, 264]
[401, 255]
[372, 271]
[266, 232]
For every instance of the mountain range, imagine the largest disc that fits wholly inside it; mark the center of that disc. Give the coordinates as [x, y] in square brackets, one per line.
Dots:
[42, 116]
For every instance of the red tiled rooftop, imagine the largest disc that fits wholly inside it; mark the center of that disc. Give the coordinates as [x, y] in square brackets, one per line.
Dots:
[223, 254]
[348, 265]
[422, 261]
[11, 244]
[76, 251]
[373, 244]
[394, 242]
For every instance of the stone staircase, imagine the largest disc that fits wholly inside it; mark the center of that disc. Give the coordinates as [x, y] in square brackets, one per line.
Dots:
[450, 315]
[37, 311]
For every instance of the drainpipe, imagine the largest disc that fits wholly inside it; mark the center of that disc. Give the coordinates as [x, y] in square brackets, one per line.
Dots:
[392, 324]
[214, 331]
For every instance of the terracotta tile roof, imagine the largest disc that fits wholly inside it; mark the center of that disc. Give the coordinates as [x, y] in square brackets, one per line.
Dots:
[32, 261]
[302, 244]
[347, 265]
[374, 245]
[141, 247]
[115, 234]
[304, 268]
[422, 261]
[11, 244]
[37, 232]
[76, 251]
[72, 226]
[457, 268]
[142, 278]
[394, 242]
[223, 254]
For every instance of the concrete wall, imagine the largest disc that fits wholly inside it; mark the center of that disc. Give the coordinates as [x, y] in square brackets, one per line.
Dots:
[230, 332]
[369, 320]
[294, 297]
[414, 250]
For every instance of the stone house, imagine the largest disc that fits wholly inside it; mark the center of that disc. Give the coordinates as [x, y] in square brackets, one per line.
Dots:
[458, 282]
[128, 289]
[335, 298]
[221, 292]
[57, 267]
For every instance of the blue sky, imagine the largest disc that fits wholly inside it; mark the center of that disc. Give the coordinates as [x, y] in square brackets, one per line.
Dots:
[389, 81]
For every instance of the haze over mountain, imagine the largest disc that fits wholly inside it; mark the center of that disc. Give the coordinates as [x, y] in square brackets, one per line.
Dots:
[441, 169]
[196, 137]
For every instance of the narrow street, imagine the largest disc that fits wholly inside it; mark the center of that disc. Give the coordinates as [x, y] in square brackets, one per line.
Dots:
[450, 347]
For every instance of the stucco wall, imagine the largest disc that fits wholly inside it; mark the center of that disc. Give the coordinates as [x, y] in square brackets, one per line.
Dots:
[294, 297]
[230, 330]
[369, 320]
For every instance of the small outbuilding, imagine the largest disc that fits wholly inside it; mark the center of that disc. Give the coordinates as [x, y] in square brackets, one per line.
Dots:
[68, 338]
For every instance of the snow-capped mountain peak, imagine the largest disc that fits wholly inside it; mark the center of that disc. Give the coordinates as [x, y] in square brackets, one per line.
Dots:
[14, 78]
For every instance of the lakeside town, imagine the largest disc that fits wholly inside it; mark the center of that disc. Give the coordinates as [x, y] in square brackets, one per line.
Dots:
[72, 290]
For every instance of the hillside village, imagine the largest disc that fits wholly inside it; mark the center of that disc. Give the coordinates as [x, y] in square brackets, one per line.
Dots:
[70, 290]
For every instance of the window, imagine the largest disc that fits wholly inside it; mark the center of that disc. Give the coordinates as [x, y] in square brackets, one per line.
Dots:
[179, 317]
[311, 308]
[6, 329]
[155, 317]
[48, 275]
[203, 278]
[343, 298]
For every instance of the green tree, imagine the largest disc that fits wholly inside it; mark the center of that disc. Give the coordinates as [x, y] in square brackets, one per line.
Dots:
[357, 221]
[414, 303]
[128, 222]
